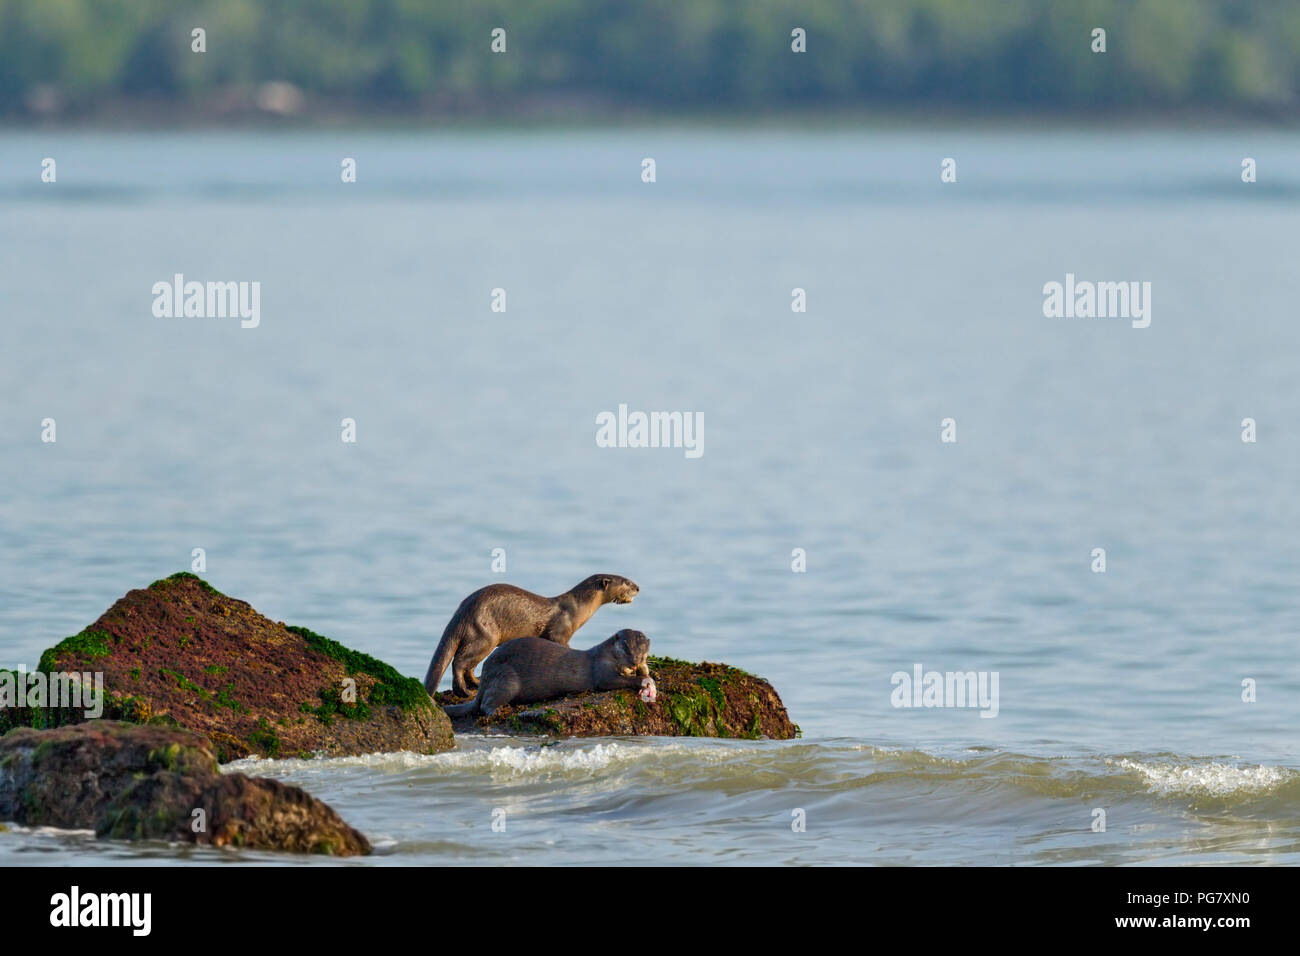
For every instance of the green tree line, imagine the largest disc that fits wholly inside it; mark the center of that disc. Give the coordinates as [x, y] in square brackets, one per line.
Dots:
[660, 54]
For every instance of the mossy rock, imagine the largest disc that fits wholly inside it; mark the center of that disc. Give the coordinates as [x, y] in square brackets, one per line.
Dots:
[181, 650]
[694, 700]
[144, 782]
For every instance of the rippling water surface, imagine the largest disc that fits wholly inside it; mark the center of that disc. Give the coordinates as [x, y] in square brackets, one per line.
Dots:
[1119, 691]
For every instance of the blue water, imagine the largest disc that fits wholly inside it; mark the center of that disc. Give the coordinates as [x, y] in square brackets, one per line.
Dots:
[476, 430]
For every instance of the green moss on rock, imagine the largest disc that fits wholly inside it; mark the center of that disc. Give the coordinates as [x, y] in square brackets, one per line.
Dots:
[89, 645]
[181, 647]
[184, 577]
[694, 700]
[390, 686]
[265, 738]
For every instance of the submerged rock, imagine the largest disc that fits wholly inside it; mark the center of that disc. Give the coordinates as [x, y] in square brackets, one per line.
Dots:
[183, 653]
[694, 700]
[126, 781]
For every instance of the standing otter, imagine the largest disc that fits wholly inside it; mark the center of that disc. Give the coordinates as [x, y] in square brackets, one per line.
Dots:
[530, 669]
[503, 612]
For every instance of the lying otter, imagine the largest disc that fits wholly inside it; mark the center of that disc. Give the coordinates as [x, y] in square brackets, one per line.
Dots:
[503, 612]
[530, 669]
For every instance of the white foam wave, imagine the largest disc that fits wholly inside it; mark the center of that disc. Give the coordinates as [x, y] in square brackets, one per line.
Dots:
[41, 830]
[532, 760]
[1214, 779]
[482, 757]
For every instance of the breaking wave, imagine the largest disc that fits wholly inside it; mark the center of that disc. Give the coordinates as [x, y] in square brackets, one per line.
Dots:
[824, 766]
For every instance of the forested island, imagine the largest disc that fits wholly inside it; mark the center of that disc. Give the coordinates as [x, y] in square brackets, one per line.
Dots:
[75, 59]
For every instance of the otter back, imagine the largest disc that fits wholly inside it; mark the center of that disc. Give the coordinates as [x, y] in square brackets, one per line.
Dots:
[502, 612]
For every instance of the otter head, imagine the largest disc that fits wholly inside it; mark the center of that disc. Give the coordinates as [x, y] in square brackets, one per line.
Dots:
[630, 650]
[617, 589]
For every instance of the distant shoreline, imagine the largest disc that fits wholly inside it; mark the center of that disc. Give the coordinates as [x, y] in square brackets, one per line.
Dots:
[580, 113]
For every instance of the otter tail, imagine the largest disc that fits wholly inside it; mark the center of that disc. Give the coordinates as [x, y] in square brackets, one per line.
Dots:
[441, 660]
[461, 710]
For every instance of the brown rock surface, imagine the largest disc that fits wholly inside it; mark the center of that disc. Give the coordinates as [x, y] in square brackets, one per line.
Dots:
[694, 700]
[128, 781]
[212, 664]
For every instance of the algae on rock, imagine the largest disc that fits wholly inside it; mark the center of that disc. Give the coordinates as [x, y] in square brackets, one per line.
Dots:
[213, 665]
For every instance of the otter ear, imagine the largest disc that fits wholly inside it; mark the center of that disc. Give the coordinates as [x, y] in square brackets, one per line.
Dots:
[604, 582]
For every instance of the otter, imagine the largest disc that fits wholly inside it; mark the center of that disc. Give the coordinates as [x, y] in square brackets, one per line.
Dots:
[530, 669]
[503, 612]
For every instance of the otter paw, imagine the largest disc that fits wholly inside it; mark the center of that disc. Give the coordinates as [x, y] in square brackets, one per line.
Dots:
[648, 692]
